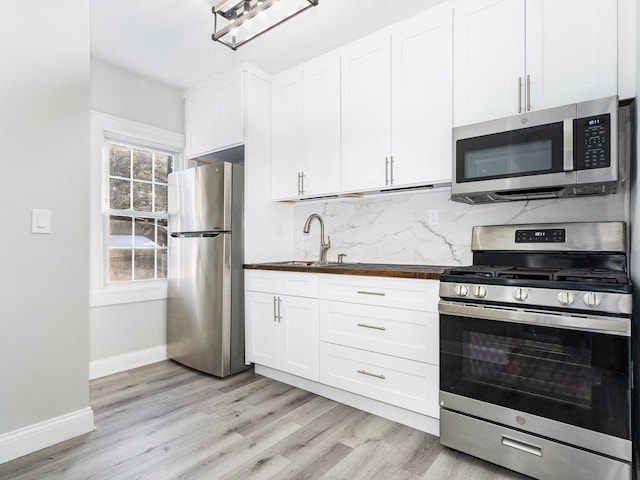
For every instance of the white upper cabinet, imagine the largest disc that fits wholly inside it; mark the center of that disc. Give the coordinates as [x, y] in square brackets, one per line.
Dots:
[306, 130]
[488, 59]
[214, 116]
[286, 134]
[512, 56]
[396, 105]
[571, 51]
[366, 113]
[321, 125]
[421, 82]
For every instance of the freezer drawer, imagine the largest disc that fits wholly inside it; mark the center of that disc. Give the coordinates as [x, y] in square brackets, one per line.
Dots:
[199, 307]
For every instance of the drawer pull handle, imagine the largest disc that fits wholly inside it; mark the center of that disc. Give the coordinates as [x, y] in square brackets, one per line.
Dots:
[364, 372]
[522, 446]
[371, 326]
[364, 292]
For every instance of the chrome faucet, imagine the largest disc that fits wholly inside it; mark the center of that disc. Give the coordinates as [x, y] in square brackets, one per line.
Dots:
[324, 247]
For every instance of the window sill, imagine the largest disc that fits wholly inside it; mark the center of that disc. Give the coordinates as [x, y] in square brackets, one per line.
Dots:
[129, 293]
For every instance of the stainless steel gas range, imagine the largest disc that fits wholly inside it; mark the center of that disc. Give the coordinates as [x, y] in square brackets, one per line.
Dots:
[535, 353]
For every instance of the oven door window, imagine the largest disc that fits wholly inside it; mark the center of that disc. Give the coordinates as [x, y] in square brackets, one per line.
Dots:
[528, 151]
[574, 377]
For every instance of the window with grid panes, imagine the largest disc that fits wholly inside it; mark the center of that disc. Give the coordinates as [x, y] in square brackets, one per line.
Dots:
[137, 223]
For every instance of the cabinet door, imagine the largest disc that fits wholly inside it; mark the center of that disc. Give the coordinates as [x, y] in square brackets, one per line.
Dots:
[571, 51]
[300, 337]
[488, 60]
[422, 99]
[286, 134]
[321, 112]
[200, 119]
[366, 113]
[214, 117]
[229, 113]
[262, 332]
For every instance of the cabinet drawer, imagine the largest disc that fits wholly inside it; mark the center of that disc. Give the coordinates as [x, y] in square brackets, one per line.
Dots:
[403, 333]
[404, 383]
[525, 453]
[385, 292]
[299, 284]
[286, 283]
[261, 280]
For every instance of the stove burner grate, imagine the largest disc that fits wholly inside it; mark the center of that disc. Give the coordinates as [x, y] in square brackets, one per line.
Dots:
[581, 275]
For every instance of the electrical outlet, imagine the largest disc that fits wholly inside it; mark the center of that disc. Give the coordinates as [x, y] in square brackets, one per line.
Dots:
[433, 216]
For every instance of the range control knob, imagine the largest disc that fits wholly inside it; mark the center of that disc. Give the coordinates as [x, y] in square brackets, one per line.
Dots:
[565, 297]
[461, 290]
[520, 294]
[480, 291]
[591, 299]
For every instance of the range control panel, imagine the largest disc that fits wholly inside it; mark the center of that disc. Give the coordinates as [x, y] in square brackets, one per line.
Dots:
[592, 142]
[547, 235]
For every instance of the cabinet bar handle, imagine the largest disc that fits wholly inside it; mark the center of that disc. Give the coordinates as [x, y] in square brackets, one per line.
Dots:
[364, 372]
[275, 309]
[279, 309]
[364, 292]
[301, 183]
[528, 93]
[522, 446]
[391, 168]
[386, 170]
[364, 325]
[519, 94]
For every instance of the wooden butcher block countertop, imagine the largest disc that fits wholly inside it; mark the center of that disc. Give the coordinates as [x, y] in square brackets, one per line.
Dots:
[425, 272]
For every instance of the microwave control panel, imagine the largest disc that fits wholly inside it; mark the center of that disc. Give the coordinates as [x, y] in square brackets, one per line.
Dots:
[592, 148]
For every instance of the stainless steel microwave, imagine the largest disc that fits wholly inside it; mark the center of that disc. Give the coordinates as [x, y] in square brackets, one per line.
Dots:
[560, 152]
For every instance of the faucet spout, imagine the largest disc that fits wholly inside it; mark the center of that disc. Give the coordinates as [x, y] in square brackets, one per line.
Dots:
[324, 246]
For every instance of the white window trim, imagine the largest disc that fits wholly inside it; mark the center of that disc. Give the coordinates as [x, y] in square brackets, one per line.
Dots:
[104, 128]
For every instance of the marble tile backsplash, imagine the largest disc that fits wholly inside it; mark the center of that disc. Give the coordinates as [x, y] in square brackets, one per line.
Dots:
[394, 228]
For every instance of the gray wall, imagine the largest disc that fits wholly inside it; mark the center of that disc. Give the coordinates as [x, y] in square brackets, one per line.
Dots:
[125, 94]
[127, 328]
[44, 139]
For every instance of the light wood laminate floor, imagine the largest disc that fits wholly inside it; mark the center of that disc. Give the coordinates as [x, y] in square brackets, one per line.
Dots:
[165, 421]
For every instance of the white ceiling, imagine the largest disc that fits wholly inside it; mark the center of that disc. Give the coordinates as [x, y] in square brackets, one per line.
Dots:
[170, 40]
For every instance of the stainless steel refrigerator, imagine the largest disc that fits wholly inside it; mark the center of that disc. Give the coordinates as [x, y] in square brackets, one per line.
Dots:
[205, 310]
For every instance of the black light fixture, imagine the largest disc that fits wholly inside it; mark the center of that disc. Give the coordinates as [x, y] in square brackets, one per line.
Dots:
[237, 22]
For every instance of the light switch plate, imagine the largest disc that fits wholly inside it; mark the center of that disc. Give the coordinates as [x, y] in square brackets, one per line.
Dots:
[40, 221]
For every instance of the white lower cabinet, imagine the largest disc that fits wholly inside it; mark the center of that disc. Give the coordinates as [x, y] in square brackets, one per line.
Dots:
[397, 381]
[380, 338]
[376, 337]
[282, 330]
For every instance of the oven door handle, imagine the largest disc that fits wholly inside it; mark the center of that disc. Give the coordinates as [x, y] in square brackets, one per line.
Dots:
[598, 324]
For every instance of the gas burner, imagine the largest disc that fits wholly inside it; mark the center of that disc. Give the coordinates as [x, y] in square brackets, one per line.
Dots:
[536, 275]
[592, 276]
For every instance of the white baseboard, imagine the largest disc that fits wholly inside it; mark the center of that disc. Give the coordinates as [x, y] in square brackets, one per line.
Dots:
[126, 361]
[44, 434]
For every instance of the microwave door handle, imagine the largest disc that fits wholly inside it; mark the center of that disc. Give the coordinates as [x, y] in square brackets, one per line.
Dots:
[567, 135]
